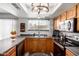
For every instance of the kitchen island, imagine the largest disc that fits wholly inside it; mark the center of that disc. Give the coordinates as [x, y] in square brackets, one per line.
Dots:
[36, 45]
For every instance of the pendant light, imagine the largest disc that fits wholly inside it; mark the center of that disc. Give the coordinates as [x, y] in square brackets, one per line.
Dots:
[13, 31]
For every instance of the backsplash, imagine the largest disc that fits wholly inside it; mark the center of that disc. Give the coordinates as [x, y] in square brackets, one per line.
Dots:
[71, 34]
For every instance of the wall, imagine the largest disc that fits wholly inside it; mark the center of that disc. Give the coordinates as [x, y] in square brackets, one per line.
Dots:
[51, 26]
[6, 27]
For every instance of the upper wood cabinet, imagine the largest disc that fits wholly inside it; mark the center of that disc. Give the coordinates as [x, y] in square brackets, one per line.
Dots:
[78, 24]
[63, 16]
[56, 23]
[77, 10]
[71, 13]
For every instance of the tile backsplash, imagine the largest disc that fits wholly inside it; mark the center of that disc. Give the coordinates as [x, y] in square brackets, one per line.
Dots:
[71, 34]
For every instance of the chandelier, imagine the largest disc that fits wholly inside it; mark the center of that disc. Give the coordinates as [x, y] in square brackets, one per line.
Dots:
[40, 7]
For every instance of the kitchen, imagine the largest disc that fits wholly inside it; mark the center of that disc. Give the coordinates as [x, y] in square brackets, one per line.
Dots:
[39, 29]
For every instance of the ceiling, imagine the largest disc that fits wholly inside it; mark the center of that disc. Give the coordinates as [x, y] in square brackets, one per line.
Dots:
[30, 14]
[54, 10]
[25, 10]
[3, 11]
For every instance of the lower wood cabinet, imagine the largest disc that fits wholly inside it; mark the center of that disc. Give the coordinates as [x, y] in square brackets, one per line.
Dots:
[58, 51]
[77, 24]
[11, 52]
[69, 53]
[33, 45]
[49, 46]
[26, 45]
[20, 49]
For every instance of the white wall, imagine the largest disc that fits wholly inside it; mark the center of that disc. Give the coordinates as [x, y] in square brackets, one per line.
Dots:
[51, 26]
[6, 27]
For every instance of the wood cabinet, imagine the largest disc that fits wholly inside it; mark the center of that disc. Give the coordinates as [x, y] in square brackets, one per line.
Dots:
[56, 23]
[69, 53]
[49, 46]
[78, 17]
[63, 16]
[33, 45]
[11, 52]
[20, 49]
[77, 24]
[77, 10]
[59, 50]
[71, 13]
[42, 45]
[26, 45]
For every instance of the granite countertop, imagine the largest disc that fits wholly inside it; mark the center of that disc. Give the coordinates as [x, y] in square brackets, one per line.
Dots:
[8, 43]
[74, 50]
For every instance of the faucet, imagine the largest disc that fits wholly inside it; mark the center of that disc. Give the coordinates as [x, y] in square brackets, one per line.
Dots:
[33, 34]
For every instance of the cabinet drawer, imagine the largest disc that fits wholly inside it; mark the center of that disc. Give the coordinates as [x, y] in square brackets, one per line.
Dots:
[10, 52]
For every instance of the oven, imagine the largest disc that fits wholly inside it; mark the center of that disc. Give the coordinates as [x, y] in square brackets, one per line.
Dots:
[71, 42]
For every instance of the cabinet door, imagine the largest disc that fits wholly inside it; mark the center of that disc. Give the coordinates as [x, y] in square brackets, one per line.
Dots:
[42, 45]
[78, 24]
[55, 24]
[63, 17]
[77, 10]
[33, 45]
[20, 49]
[69, 53]
[11, 52]
[27, 45]
[49, 45]
[71, 13]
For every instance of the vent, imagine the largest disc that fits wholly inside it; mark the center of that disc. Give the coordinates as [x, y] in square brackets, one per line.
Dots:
[15, 5]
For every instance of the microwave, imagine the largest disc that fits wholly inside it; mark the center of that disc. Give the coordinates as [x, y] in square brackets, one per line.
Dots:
[70, 25]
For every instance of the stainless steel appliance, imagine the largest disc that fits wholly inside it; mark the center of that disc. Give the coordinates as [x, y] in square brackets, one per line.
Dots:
[72, 41]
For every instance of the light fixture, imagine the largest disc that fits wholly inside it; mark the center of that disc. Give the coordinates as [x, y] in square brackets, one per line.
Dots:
[40, 7]
[13, 31]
